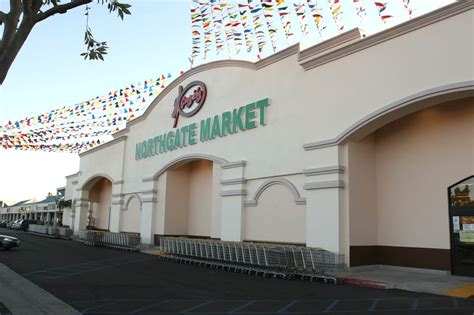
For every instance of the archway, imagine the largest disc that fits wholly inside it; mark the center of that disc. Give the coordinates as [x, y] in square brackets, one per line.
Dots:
[100, 200]
[188, 201]
[398, 176]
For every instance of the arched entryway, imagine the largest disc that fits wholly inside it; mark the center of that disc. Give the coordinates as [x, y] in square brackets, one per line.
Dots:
[397, 176]
[188, 202]
[99, 191]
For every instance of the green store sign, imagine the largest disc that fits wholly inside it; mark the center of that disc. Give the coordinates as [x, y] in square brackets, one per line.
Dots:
[227, 123]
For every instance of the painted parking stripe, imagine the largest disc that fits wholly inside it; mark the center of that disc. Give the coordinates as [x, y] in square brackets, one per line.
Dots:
[148, 307]
[241, 307]
[287, 306]
[196, 307]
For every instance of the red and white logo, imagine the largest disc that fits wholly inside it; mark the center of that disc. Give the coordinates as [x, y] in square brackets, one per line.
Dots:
[189, 101]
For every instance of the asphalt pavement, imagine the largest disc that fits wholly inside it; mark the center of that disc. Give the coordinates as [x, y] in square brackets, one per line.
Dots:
[104, 281]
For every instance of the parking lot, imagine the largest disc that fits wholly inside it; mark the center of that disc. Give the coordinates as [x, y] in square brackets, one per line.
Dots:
[104, 281]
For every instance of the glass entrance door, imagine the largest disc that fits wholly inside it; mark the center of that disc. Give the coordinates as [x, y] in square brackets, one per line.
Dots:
[461, 217]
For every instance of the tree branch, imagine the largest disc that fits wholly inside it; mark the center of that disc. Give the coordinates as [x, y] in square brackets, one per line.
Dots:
[60, 8]
[3, 18]
[10, 27]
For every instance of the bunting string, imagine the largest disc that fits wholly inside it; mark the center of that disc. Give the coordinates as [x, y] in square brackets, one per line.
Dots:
[215, 24]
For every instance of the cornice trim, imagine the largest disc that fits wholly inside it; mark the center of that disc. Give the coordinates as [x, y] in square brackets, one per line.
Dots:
[336, 169]
[233, 181]
[233, 165]
[324, 185]
[234, 192]
[335, 51]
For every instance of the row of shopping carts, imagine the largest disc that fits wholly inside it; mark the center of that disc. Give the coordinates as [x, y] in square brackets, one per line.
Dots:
[121, 241]
[284, 261]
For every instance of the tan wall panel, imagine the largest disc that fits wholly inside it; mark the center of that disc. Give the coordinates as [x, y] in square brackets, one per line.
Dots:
[362, 191]
[417, 158]
[200, 198]
[177, 201]
[101, 196]
[131, 216]
[276, 218]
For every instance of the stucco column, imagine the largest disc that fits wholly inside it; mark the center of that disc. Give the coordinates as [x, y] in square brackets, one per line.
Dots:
[232, 200]
[116, 207]
[323, 209]
[149, 210]
[80, 217]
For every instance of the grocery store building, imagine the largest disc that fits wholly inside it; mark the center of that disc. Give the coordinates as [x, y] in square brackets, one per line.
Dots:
[349, 145]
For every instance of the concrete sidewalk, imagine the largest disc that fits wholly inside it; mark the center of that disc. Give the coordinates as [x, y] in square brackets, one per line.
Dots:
[410, 279]
[20, 296]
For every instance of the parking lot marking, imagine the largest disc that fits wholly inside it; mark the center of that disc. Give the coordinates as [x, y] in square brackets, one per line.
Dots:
[241, 307]
[330, 306]
[196, 307]
[287, 306]
[149, 306]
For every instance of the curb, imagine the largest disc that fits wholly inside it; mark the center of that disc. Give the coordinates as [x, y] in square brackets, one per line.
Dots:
[50, 236]
[365, 283]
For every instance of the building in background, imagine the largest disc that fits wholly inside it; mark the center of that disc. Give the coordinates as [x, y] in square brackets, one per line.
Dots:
[349, 145]
[45, 210]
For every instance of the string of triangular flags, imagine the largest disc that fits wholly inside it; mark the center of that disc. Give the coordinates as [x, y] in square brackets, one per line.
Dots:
[218, 25]
[84, 125]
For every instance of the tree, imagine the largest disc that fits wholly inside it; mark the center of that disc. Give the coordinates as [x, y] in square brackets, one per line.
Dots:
[25, 14]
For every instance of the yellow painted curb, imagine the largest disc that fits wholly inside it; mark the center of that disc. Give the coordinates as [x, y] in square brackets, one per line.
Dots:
[465, 291]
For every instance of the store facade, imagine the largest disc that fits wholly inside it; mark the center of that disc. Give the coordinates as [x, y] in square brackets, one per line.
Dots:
[349, 145]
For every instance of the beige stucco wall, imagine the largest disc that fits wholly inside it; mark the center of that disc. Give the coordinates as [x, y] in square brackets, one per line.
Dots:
[177, 201]
[307, 105]
[362, 192]
[275, 218]
[216, 201]
[131, 215]
[417, 158]
[398, 177]
[101, 197]
[188, 199]
[200, 198]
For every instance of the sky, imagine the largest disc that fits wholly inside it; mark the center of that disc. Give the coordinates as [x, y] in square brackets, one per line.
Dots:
[48, 73]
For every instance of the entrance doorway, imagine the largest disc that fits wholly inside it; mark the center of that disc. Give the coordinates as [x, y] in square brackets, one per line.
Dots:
[461, 225]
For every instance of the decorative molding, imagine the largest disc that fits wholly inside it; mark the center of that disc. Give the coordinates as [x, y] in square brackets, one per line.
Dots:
[282, 54]
[276, 181]
[73, 175]
[182, 160]
[92, 178]
[117, 202]
[147, 200]
[75, 182]
[235, 192]
[311, 57]
[233, 181]
[233, 165]
[135, 196]
[117, 195]
[457, 90]
[118, 182]
[149, 192]
[336, 169]
[103, 146]
[324, 185]
[349, 47]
